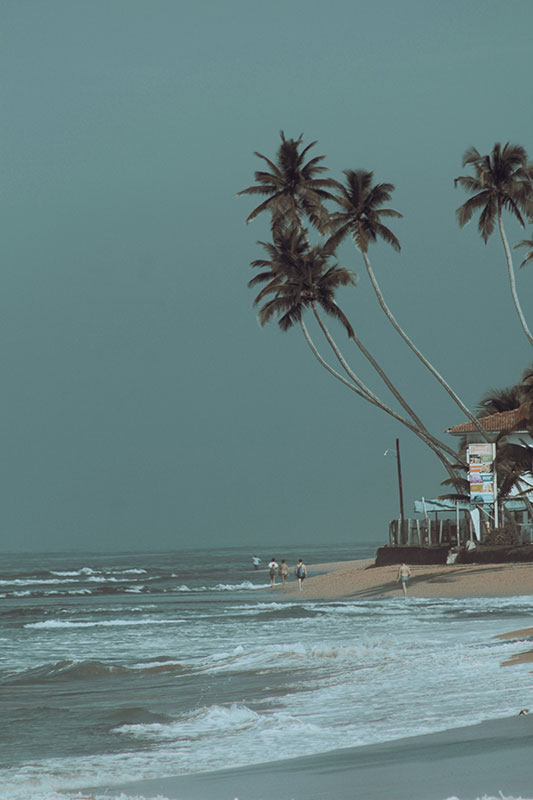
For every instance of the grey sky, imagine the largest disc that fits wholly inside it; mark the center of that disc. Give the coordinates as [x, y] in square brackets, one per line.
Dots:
[143, 407]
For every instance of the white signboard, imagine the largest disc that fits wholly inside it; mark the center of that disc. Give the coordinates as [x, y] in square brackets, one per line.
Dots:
[481, 472]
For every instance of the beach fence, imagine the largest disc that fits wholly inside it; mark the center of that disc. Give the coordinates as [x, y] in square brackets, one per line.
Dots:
[428, 532]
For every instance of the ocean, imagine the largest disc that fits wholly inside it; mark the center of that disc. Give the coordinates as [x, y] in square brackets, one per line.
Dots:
[128, 666]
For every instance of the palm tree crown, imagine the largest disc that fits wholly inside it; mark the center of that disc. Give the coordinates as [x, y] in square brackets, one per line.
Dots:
[292, 185]
[298, 277]
[501, 180]
[360, 214]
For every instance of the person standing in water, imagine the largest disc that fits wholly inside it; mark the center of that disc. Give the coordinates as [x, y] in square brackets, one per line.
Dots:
[284, 571]
[301, 573]
[273, 568]
[404, 573]
[256, 561]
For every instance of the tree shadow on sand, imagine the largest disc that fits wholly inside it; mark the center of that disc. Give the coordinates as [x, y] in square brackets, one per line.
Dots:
[447, 576]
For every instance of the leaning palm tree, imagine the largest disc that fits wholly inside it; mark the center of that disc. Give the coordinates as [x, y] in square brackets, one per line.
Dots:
[502, 180]
[360, 217]
[298, 277]
[293, 187]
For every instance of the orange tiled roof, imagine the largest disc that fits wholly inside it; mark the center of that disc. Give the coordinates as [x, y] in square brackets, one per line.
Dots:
[503, 421]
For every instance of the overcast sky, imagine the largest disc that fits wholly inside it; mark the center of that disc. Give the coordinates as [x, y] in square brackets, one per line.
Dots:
[142, 405]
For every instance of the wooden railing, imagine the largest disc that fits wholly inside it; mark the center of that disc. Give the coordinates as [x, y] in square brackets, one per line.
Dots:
[427, 532]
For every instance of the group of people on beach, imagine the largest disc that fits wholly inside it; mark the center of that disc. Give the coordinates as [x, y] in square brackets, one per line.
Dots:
[300, 571]
[283, 570]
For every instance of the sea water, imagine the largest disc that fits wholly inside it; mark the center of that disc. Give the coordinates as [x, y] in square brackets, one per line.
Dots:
[127, 666]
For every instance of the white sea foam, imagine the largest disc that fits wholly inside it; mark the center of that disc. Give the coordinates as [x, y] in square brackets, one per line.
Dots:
[222, 587]
[104, 623]
[156, 664]
[232, 587]
[32, 581]
[71, 573]
[52, 795]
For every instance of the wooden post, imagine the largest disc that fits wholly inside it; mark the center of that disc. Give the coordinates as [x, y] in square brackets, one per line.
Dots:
[400, 485]
[440, 531]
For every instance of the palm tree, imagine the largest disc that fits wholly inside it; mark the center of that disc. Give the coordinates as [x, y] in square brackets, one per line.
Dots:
[298, 277]
[501, 180]
[293, 186]
[497, 400]
[294, 190]
[510, 398]
[360, 216]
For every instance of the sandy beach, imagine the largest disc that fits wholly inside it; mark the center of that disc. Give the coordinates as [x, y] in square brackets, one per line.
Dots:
[360, 579]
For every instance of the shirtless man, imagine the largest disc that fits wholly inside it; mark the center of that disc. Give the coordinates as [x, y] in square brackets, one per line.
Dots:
[404, 573]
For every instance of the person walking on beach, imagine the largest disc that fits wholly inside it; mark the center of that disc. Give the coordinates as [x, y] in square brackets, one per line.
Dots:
[256, 561]
[284, 571]
[404, 573]
[273, 568]
[300, 572]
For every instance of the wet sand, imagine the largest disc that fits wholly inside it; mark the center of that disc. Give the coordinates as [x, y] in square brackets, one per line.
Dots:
[465, 763]
[525, 634]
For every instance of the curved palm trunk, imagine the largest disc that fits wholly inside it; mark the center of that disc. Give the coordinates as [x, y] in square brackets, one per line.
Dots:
[420, 425]
[415, 349]
[367, 395]
[370, 358]
[512, 279]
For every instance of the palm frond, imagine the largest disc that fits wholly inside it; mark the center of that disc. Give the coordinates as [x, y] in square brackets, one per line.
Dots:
[340, 234]
[526, 243]
[511, 205]
[487, 219]
[273, 167]
[331, 308]
[387, 235]
[257, 190]
[465, 212]
[471, 156]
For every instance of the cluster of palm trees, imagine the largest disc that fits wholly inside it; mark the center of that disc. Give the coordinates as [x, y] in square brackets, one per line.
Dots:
[297, 274]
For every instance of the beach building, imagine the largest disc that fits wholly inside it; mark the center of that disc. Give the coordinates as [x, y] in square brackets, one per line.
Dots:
[458, 522]
[509, 427]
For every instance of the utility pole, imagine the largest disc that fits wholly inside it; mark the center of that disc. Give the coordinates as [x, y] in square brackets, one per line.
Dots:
[400, 487]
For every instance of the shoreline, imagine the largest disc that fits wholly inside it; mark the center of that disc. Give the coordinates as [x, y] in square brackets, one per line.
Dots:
[467, 763]
[362, 580]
